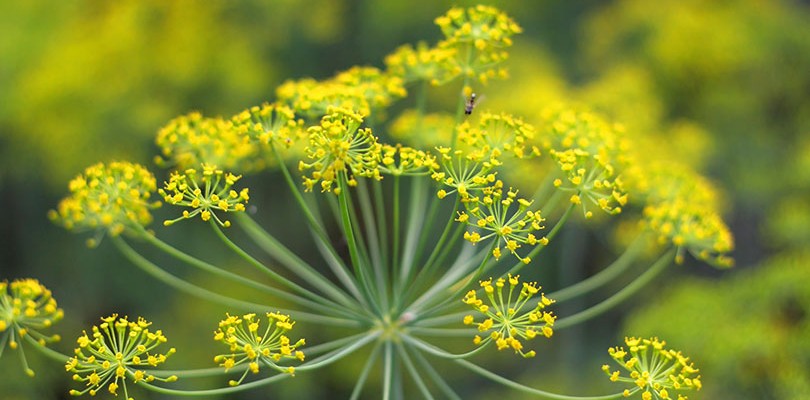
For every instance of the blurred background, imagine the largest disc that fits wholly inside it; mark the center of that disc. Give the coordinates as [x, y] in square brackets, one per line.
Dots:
[723, 86]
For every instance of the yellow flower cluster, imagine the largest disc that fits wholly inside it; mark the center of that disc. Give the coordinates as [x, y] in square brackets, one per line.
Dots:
[505, 217]
[340, 150]
[498, 134]
[654, 370]
[107, 198]
[26, 306]
[590, 154]
[478, 35]
[249, 344]
[424, 130]
[270, 123]
[403, 160]
[681, 207]
[436, 65]
[359, 88]
[113, 353]
[190, 140]
[204, 194]
[505, 316]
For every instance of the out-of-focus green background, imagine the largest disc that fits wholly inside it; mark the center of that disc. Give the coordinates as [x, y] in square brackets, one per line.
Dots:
[723, 86]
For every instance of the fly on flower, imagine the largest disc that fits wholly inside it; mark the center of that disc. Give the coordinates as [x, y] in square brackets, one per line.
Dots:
[468, 107]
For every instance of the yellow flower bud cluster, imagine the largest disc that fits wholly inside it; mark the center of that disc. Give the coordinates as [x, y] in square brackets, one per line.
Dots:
[113, 353]
[340, 149]
[359, 88]
[26, 307]
[107, 198]
[249, 344]
[590, 155]
[510, 319]
[190, 140]
[204, 192]
[654, 370]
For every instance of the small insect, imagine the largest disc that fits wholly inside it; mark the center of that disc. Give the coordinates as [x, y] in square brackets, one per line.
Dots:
[468, 108]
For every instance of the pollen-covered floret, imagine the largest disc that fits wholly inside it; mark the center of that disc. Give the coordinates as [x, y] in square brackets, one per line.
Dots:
[480, 34]
[498, 134]
[591, 157]
[422, 63]
[250, 344]
[107, 198]
[203, 193]
[26, 307]
[114, 351]
[511, 319]
[682, 209]
[403, 160]
[654, 371]
[423, 130]
[465, 173]
[504, 216]
[190, 140]
[270, 123]
[340, 149]
[359, 88]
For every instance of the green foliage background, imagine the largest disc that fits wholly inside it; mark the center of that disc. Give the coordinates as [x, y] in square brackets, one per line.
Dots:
[723, 86]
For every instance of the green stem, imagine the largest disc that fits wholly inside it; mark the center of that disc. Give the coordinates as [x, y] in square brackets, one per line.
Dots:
[415, 375]
[321, 305]
[603, 277]
[526, 389]
[324, 304]
[388, 371]
[290, 260]
[620, 296]
[180, 284]
[373, 235]
[47, 351]
[436, 376]
[360, 270]
[314, 364]
[551, 235]
[431, 349]
[361, 380]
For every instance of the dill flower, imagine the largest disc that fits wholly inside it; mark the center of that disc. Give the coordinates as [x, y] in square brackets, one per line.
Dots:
[682, 209]
[270, 122]
[190, 140]
[107, 198]
[204, 194]
[403, 160]
[505, 316]
[423, 130]
[590, 154]
[483, 32]
[498, 134]
[249, 344]
[113, 353]
[654, 370]
[359, 88]
[340, 149]
[26, 306]
[463, 173]
[691, 229]
[505, 217]
[423, 63]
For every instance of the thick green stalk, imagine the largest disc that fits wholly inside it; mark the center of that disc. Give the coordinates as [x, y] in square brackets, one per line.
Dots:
[604, 276]
[290, 260]
[542, 394]
[360, 269]
[184, 286]
[620, 296]
[363, 377]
